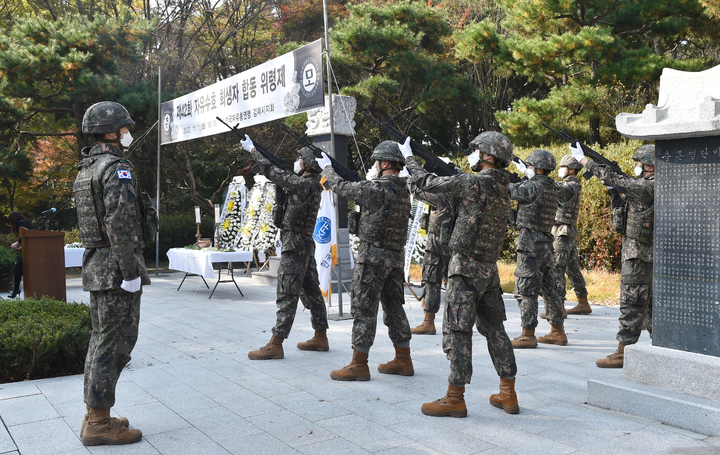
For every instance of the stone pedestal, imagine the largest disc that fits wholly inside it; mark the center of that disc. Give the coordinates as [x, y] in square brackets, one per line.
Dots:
[268, 276]
[675, 381]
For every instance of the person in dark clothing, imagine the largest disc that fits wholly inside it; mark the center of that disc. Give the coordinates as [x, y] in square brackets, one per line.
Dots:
[17, 220]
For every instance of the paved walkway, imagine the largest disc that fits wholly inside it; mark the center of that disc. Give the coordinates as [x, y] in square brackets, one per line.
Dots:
[191, 389]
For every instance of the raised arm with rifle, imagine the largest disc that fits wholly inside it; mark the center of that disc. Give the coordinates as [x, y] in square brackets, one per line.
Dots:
[341, 170]
[262, 150]
[595, 156]
[432, 162]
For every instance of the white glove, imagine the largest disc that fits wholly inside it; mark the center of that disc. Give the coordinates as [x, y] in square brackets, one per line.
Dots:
[132, 285]
[606, 185]
[404, 173]
[473, 159]
[247, 143]
[324, 161]
[577, 152]
[524, 169]
[405, 148]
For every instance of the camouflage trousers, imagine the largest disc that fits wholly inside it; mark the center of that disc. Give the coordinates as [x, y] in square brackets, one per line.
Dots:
[478, 301]
[435, 269]
[566, 261]
[298, 279]
[373, 283]
[635, 300]
[115, 317]
[534, 276]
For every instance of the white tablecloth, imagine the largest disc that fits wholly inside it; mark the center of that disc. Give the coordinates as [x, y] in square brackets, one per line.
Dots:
[73, 257]
[200, 262]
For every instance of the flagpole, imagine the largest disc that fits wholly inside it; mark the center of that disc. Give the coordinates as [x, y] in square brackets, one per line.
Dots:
[157, 194]
[332, 153]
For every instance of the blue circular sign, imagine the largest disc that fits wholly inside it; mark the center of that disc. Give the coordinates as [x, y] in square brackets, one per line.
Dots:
[323, 230]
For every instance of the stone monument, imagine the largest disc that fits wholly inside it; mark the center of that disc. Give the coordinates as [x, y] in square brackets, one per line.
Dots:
[675, 380]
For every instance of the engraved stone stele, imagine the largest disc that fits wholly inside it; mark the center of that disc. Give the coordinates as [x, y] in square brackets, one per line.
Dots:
[344, 107]
[675, 380]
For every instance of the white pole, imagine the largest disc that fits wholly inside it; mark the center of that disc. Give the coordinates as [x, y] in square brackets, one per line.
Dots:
[332, 151]
[157, 194]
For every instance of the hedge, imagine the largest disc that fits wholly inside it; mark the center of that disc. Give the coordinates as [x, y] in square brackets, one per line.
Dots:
[42, 338]
[8, 256]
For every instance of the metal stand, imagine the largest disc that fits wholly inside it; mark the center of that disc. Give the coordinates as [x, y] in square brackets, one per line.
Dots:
[187, 274]
[231, 280]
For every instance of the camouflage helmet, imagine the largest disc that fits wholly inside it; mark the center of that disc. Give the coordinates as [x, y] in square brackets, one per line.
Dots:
[388, 151]
[645, 154]
[541, 159]
[106, 117]
[569, 162]
[308, 158]
[495, 144]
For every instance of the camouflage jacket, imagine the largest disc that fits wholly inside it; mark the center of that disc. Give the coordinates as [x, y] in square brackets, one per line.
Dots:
[107, 200]
[382, 237]
[640, 199]
[568, 209]
[441, 219]
[301, 208]
[535, 215]
[483, 209]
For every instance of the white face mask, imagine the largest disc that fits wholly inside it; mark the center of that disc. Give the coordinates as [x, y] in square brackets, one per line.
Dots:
[562, 173]
[638, 171]
[474, 158]
[126, 139]
[371, 173]
[296, 167]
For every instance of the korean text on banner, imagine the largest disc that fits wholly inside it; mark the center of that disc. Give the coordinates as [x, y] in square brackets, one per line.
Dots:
[283, 86]
[414, 231]
[325, 240]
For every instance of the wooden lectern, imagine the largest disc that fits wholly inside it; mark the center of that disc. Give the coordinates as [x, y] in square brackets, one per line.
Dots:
[43, 263]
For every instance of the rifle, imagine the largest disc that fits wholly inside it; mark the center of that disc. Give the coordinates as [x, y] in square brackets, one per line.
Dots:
[262, 150]
[432, 162]
[138, 142]
[341, 170]
[514, 178]
[597, 157]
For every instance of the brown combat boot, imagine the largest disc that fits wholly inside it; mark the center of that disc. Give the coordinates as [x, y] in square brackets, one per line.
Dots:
[583, 307]
[357, 370]
[614, 360]
[427, 327]
[451, 405]
[102, 430]
[507, 398]
[556, 336]
[526, 340]
[272, 350]
[317, 343]
[401, 364]
[119, 420]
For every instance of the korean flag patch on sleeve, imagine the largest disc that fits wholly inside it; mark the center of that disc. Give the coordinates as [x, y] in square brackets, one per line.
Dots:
[124, 174]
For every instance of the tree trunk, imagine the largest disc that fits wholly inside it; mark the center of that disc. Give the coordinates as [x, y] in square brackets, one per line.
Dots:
[594, 134]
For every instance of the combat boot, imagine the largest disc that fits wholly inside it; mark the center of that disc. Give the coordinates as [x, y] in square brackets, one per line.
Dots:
[427, 327]
[272, 350]
[317, 343]
[119, 420]
[614, 360]
[526, 340]
[102, 430]
[401, 364]
[583, 307]
[451, 405]
[357, 370]
[507, 398]
[556, 336]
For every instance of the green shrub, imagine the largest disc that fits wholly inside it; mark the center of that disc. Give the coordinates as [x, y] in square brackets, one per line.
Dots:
[177, 231]
[8, 257]
[72, 236]
[42, 338]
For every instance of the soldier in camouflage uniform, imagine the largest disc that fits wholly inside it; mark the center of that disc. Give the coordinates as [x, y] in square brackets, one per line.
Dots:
[107, 197]
[566, 237]
[437, 256]
[297, 274]
[637, 246]
[473, 292]
[382, 228]
[537, 203]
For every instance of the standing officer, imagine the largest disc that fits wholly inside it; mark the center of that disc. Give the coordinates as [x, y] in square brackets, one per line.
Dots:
[437, 256]
[566, 237]
[297, 274]
[537, 203]
[379, 272]
[637, 246]
[473, 292]
[107, 197]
